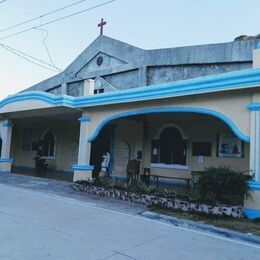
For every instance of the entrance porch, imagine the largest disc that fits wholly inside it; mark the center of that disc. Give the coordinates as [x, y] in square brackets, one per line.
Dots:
[172, 145]
[53, 135]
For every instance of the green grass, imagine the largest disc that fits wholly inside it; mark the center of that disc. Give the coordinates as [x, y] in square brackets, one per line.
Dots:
[241, 225]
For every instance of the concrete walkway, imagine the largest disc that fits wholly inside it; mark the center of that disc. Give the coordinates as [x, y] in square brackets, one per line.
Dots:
[37, 224]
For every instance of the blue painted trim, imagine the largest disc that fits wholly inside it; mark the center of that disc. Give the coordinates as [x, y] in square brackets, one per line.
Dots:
[48, 98]
[253, 185]
[214, 113]
[208, 84]
[254, 106]
[5, 172]
[7, 124]
[84, 119]
[83, 167]
[6, 160]
[252, 213]
[258, 45]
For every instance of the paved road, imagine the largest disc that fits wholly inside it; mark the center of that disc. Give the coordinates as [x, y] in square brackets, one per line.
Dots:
[36, 225]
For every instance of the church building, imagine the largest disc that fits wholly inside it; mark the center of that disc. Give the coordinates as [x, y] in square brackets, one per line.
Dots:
[177, 110]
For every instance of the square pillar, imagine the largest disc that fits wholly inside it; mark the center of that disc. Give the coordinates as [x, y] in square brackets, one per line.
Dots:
[83, 170]
[252, 206]
[89, 86]
[6, 136]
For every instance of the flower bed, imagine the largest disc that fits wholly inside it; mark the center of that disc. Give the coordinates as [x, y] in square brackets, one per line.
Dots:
[170, 203]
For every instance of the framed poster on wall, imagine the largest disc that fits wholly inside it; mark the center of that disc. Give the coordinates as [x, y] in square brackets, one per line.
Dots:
[228, 145]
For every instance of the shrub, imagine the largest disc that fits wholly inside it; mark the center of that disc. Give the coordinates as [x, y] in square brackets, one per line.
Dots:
[222, 184]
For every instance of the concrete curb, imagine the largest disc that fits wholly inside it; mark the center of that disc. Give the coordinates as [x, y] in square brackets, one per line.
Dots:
[202, 227]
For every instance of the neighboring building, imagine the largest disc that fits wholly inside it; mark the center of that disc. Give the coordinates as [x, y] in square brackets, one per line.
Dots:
[183, 109]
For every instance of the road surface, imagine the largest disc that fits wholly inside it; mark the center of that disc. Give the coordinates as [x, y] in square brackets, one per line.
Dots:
[35, 225]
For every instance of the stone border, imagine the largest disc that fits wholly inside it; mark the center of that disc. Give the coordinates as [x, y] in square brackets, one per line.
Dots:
[170, 203]
[247, 237]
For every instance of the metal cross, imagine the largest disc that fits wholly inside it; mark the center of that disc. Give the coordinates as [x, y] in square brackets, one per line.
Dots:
[101, 25]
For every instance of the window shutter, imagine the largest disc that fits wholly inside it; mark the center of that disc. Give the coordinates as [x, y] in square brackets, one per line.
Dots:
[155, 151]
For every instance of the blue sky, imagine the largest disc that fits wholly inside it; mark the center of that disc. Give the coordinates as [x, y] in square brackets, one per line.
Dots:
[148, 24]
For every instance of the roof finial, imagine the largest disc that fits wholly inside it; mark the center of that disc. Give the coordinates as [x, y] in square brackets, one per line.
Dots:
[101, 25]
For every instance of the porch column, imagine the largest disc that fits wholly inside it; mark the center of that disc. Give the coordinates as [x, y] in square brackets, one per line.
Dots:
[83, 170]
[6, 136]
[255, 145]
[252, 206]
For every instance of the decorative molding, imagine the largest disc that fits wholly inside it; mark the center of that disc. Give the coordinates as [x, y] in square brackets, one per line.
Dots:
[4, 172]
[174, 125]
[254, 107]
[83, 167]
[7, 124]
[201, 85]
[196, 110]
[253, 185]
[6, 160]
[84, 119]
[252, 213]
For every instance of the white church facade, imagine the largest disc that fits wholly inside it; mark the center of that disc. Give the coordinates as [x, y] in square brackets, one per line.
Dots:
[180, 109]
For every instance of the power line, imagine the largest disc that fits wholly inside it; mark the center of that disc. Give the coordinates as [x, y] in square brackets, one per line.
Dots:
[59, 19]
[36, 61]
[41, 16]
[29, 58]
[45, 45]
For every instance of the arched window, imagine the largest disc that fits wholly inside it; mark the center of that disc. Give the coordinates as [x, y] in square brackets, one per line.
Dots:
[48, 144]
[170, 148]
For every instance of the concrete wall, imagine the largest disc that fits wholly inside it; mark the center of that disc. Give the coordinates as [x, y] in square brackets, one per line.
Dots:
[67, 139]
[184, 62]
[128, 140]
[162, 74]
[56, 90]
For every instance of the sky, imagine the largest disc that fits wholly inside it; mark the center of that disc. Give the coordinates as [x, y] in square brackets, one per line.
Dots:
[147, 24]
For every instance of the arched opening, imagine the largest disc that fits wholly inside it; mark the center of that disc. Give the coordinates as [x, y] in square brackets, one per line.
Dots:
[172, 148]
[99, 147]
[174, 142]
[48, 144]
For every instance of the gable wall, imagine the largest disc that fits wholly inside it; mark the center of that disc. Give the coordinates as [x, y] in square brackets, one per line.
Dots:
[125, 66]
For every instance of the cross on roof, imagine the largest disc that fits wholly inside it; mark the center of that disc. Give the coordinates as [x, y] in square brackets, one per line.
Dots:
[101, 25]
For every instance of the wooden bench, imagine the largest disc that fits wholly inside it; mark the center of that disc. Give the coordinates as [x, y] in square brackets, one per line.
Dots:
[167, 173]
[156, 178]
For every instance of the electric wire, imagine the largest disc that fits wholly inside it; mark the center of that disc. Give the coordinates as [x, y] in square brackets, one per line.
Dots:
[45, 45]
[58, 19]
[30, 58]
[41, 16]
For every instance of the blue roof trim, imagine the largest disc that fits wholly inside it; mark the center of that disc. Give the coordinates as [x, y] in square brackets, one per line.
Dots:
[41, 96]
[221, 82]
[214, 113]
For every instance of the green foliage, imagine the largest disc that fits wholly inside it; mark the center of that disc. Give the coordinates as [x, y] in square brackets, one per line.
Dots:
[221, 184]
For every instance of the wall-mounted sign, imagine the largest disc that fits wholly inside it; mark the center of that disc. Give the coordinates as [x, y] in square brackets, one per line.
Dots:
[229, 145]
